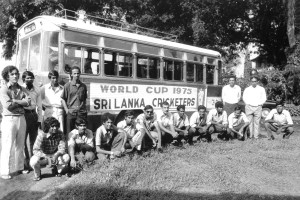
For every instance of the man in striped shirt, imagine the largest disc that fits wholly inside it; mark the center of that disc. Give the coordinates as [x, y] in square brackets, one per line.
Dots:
[49, 149]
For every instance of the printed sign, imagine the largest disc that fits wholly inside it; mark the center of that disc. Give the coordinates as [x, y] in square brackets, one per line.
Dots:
[121, 97]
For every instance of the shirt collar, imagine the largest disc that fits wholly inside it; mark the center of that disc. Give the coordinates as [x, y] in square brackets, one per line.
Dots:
[50, 86]
[8, 84]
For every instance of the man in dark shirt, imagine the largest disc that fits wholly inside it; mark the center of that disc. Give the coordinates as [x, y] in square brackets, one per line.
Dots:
[74, 99]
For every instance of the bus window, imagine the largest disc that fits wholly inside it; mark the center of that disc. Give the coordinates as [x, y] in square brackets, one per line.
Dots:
[34, 56]
[23, 57]
[190, 72]
[173, 70]
[91, 61]
[147, 67]
[210, 74]
[118, 64]
[72, 57]
[199, 73]
[50, 60]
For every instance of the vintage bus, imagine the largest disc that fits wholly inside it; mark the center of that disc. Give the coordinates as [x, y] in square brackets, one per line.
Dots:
[124, 66]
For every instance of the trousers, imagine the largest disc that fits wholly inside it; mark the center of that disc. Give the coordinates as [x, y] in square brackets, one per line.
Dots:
[253, 114]
[13, 131]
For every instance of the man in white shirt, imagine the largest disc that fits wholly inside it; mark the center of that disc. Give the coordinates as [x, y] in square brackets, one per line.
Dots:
[254, 97]
[182, 124]
[198, 123]
[279, 121]
[217, 121]
[231, 95]
[166, 124]
[51, 100]
[237, 124]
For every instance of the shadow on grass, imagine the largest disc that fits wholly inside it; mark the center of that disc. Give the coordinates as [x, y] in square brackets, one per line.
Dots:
[113, 193]
[24, 195]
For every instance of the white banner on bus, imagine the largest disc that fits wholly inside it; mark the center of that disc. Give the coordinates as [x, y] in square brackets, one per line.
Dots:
[105, 96]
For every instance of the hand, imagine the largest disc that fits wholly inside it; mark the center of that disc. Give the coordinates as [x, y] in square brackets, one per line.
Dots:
[49, 165]
[28, 99]
[175, 134]
[185, 132]
[73, 163]
[122, 150]
[54, 160]
[117, 153]
[279, 130]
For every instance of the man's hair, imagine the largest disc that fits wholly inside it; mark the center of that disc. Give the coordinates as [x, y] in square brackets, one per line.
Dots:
[53, 73]
[181, 107]
[201, 107]
[219, 104]
[80, 121]
[148, 107]
[165, 103]
[75, 67]
[27, 73]
[238, 108]
[8, 69]
[106, 116]
[129, 113]
[50, 121]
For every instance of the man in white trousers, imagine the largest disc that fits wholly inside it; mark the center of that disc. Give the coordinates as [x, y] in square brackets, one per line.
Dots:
[254, 97]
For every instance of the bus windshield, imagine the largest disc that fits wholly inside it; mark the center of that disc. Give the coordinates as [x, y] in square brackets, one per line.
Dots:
[50, 60]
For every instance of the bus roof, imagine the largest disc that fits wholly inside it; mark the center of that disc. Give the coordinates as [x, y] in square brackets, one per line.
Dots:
[100, 30]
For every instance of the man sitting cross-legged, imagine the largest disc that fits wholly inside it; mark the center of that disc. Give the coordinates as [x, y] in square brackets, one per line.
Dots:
[148, 126]
[49, 149]
[238, 124]
[182, 124]
[81, 144]
[110, 141]
[279, 121]
[217, 121]
[166, 124]
[198, 124]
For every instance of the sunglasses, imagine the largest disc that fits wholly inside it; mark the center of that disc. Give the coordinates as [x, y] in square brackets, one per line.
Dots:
[149, 111]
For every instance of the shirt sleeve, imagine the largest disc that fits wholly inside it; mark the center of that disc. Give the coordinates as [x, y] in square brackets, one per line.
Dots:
[289, 118]
[120, 124]
[245, 96]
[224, 93]
[224, 117]
[239, 93]
[209, 118]
[71, 139]
[98, 137]
[193, 120]
[186, 121]
[37, 147]
[245, 119]
[64, 94]
[90, 141]
[5, 99]
[263, 96]
[39, 107]
[270, 115]
[230, 121]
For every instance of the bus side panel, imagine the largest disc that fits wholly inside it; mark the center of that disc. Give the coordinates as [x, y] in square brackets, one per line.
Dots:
[214, 94]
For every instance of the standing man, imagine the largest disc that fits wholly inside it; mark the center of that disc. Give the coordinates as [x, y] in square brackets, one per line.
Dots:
[254, 97]
[13, 127]
[33, 114]
[51, 101]
[74, 99]
[231, 95]
[279, 121]
[198, 124]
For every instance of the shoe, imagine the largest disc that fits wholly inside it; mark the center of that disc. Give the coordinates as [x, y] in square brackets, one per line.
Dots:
[24, 171]
[54, 171]
[160, 150]
[6, 177]
[191, 143]
[37, 178]
[58, 175]
[271, 138]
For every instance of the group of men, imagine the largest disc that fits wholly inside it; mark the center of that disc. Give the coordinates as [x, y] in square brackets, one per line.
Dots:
[63, 147]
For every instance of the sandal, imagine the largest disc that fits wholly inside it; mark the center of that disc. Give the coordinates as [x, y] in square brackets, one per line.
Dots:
[37, 178]
[6, 177]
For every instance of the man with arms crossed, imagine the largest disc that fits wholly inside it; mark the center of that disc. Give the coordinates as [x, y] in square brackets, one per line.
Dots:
[231, 95]
[51, 100]
[74, 99]
[254, 97]
[279, 121]
[13, 127]
[198, 124]
[217, 121]
[238, 124]
[182, 124]
[110, 141]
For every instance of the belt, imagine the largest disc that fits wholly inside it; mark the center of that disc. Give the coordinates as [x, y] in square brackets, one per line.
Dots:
[30, 111]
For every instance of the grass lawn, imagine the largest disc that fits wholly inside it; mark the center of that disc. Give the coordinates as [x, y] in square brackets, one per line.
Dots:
[254, 169]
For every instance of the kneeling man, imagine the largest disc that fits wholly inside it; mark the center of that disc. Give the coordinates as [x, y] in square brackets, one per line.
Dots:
[279, 121]
[49, 149]
[81, 144]
[238, 124]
